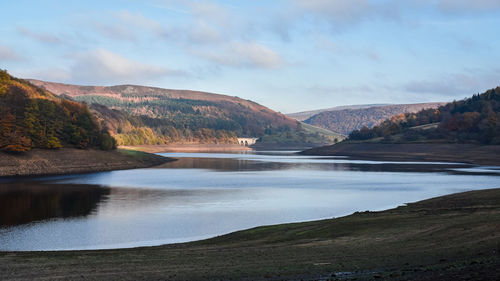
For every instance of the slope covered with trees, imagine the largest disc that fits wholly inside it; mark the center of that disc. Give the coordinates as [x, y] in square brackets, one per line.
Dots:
[345, 121]
[31, 117]
[139, 115]
[472, 120]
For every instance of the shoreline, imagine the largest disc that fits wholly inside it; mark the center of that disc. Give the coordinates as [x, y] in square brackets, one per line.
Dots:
[207, 148]
[188, 148]
[40, 162]
[444, 237]
[428, 152]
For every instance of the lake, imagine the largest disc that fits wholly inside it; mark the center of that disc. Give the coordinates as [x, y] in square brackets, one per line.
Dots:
[203, 195]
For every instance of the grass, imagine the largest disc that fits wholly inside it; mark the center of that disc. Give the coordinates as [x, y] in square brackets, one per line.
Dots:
[446, 238]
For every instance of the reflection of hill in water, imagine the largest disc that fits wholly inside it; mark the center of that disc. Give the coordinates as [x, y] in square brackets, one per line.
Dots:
[225, 164]
[22, 203]
[242, 165]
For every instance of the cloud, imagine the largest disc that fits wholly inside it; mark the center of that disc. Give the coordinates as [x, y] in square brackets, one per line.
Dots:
[325, 43]
[7, 54]
[39, 36]
[465, 83]
[210, 12]
[103, 66]
[115, 31]
[243, 54]
[468, 6]
[125, 25]
[336, 10]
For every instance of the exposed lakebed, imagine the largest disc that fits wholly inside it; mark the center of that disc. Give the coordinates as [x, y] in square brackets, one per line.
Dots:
[207, 194]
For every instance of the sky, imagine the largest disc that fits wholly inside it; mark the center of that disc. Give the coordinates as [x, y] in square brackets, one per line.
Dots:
[289, 55]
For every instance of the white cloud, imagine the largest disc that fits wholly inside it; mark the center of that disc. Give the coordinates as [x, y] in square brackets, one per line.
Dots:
[210, 12]
[7, 54]
[467, 6]
[138, 19]
[336, 10]
[243, 54]
[115, 31]
[103, 66]
[463, 83]
[39, 36]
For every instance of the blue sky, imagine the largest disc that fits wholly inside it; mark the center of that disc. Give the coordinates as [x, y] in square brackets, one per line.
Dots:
[290, 55]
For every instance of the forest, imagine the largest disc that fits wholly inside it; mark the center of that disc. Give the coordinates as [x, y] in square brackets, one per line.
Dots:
[31, 117]
[472, 120]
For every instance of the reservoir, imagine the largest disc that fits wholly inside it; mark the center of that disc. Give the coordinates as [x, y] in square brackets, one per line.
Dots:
[202, 195]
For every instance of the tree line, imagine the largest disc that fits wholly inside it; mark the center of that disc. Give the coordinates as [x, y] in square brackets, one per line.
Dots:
[31, 118]
[475, 120]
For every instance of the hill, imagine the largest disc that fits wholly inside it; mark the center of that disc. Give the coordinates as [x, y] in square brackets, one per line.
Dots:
[304, 115]
[346, 120]
[31, 117]
[139, 115]
[473, 120]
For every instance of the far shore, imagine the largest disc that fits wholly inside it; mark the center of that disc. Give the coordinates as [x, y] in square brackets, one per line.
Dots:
[435, 152]
[196, 147]
[453, 237]
[188, 148]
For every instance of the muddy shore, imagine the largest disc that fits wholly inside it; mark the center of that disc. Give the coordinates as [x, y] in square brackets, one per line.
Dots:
[74, 161]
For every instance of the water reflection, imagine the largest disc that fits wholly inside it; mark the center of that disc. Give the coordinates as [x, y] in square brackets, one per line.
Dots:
[22, 203]
[247, 164]
[203, 195]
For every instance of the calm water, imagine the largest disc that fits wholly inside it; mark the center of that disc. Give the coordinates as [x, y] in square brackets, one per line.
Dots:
[203, 195]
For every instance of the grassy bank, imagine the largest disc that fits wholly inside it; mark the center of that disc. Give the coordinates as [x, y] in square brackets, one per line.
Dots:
[70, 161]
[446, 238]
[448, 152]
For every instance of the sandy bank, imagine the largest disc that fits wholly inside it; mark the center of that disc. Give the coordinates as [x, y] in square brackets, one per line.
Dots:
[72, 161]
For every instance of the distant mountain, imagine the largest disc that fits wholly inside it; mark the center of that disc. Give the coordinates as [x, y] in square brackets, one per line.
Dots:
[472, 120]
[304, 115]
[344, 121]
[31, 117]
[147, 115]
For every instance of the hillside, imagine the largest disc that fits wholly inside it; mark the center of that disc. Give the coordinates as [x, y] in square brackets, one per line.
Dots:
[344, 121]
[31, 117]
[473, 120]
[139, 115]
[304, 115]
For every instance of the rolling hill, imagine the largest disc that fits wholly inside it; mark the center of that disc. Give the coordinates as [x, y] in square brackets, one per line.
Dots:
[138, 115]
[345, 120]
